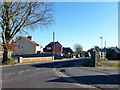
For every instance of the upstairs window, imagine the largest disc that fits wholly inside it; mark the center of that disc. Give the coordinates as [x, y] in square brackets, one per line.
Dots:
[18, 45]
[48, 48]
[22, 46]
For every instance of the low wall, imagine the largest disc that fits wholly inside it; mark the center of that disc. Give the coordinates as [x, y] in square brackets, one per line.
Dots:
[20, 60]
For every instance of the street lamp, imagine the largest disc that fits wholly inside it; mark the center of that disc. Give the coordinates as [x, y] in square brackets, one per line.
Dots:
[101, 41]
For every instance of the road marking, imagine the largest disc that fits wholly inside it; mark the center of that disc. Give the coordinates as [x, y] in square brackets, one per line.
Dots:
[5, 74]
[8, 75]
[28, 70]
[37, 69]
[21, 72]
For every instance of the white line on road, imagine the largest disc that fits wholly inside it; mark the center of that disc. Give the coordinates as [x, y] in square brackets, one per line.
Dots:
[28, 70]
[37, 69]
[21, 72]
[8, 75]
[5, 74]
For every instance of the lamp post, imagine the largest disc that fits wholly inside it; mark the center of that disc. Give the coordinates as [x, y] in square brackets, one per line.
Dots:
[101, 42]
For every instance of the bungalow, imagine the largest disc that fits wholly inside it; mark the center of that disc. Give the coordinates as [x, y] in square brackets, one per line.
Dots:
[113, 54]
[25, 45]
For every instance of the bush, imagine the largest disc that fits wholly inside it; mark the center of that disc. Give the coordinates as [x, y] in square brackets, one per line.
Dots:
[99, 60]
[105, 59]
[10, 61]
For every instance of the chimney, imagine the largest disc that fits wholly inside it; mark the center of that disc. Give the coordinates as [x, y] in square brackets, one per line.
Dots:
[30, 37]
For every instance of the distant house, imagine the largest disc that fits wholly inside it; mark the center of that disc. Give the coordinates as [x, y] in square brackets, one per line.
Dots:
[53, 47]
[67, 51]
[101, 54]
[113, 54]
[76, 55]
[87, 54]
[25, 45]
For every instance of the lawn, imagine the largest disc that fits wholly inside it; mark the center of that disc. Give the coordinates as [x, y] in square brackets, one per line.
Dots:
[114, 65]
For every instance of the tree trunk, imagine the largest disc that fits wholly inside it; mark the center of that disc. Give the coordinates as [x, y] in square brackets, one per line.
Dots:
[5, 55]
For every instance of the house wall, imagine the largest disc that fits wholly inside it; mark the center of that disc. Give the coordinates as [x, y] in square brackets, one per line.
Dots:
[38, 48]
[58, 49]
[28, 47]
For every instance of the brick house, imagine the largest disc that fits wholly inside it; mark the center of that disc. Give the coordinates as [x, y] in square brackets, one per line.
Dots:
[53, 47]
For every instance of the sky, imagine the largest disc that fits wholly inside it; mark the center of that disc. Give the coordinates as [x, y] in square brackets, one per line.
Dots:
[81, 23]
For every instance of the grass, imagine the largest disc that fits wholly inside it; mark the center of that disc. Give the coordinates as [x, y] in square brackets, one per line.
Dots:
[114, 65]
[37, 61]
[114, 60]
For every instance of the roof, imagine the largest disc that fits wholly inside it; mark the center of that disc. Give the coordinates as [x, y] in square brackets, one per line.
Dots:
[67, 49]
[117, 50]
[36, 44]
[52, 43]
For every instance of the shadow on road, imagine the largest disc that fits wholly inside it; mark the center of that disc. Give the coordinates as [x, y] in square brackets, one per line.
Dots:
[71, 63]
[94, 79]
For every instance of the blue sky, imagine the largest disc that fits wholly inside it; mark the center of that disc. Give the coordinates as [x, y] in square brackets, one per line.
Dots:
[82, 23]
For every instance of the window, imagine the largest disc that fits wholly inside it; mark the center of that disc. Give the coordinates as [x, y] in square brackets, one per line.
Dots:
[18, 45]
[22, 46]
[48, 48]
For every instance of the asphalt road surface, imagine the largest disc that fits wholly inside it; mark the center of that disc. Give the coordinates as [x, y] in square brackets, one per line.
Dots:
[43, 75]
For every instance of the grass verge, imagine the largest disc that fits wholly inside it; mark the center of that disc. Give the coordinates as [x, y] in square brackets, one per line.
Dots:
[114, 65]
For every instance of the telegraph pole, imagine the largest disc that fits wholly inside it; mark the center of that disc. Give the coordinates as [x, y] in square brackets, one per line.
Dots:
[105, 48]
[53, 42]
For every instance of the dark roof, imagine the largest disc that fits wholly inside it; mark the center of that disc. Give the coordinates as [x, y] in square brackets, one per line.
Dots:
[117, 50]
[113, 49]
[52, 43]
[67, 49]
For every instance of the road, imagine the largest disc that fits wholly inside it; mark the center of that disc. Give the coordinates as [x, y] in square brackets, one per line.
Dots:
[43, 75]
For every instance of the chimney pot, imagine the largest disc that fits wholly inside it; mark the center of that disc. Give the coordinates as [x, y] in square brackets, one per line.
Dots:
[29, 37]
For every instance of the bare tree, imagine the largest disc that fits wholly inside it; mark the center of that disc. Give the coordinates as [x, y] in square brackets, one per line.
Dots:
[15, 17]
[78, 48]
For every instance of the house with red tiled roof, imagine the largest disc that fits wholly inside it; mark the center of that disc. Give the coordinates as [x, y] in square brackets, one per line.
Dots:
[25, 45]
